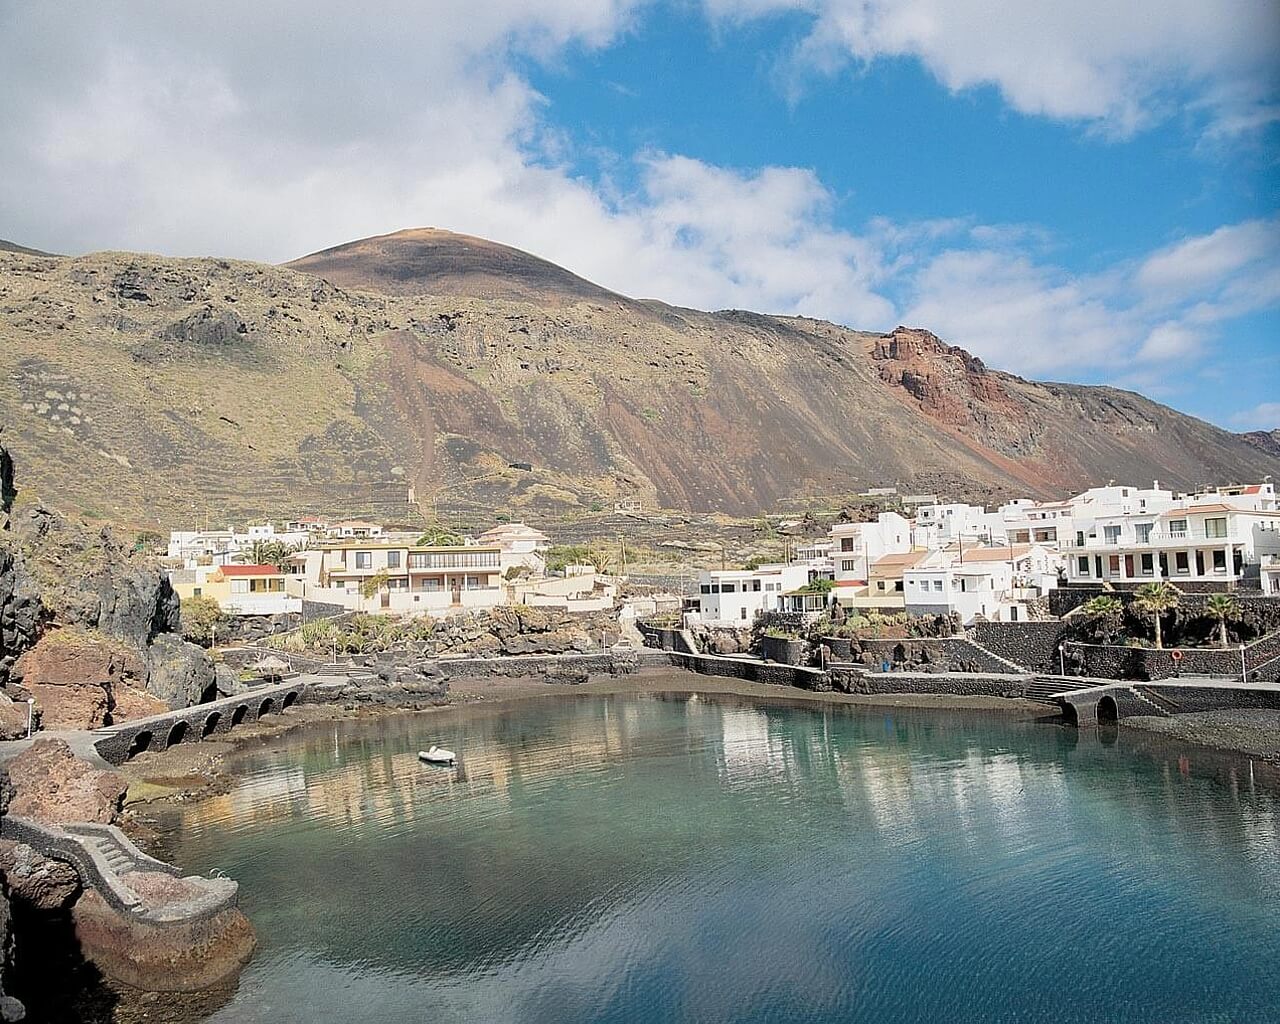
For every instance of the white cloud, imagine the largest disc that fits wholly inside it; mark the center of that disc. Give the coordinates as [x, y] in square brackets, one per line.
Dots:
[263, 131]
[1265, 416]
[1117, 65]
[1164, 310]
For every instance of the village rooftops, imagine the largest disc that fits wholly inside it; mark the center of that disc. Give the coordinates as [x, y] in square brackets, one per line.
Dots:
[229, 571]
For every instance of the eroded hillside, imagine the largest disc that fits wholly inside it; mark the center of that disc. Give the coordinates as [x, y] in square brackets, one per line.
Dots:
[158, 390]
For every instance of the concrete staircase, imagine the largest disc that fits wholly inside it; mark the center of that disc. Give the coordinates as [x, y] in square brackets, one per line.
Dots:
[1044, 687]
[1160, 707]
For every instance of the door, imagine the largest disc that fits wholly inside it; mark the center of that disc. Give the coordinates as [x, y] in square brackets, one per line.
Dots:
[1199, 563]
[1128, 566]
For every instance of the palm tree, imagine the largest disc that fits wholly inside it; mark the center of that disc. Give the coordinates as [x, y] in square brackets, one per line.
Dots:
[1103, 604]
[439, 538]
[1220, 608]
[1155, 599]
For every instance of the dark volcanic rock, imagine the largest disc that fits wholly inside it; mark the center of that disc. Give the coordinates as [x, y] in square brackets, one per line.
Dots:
[178, 672]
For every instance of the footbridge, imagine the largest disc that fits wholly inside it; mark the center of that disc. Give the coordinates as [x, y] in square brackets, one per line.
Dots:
[1087, 702]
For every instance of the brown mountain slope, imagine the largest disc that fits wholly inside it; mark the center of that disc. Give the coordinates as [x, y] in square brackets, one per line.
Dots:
[164, 390]
[432, 261]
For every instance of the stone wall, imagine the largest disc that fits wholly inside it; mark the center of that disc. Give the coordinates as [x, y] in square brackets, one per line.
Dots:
[930, 654]
[855, 680]
[1143, 663]
[772, 673]
[784, 650]
[1030, 645]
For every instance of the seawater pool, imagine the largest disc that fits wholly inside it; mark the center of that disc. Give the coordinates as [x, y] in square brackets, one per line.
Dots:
[659, 858]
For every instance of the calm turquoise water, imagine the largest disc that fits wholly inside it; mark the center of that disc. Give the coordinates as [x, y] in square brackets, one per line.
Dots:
[650, 858]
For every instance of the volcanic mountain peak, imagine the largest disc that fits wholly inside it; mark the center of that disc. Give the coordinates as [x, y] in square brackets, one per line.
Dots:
[433, 261]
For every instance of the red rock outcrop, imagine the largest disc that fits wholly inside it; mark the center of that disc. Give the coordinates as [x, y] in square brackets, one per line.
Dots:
[83, 679]
[52, 785]
[949, 385]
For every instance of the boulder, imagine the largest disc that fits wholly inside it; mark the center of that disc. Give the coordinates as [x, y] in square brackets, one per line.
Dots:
[39, 881]
[178, 672]
[52, 785]
[13, 718]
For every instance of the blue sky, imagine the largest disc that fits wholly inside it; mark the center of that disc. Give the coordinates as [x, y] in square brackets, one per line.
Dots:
[1083, 192]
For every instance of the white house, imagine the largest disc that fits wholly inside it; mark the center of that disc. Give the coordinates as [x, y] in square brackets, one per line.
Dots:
[996, 583]
[734, 597]
[520, 545]
[855, 546]
[1203, 544]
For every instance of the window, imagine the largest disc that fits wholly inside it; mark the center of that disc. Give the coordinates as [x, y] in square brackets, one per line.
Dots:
[364, 559]
[1215, 528]
[879, 584]
[755, 586]
[848, 565]
[1080, 541]
[197, 591]
[1111, 534]
[1148, 564]
[1177, 527]
[705, 588]
[715, 588]
[1082, 565]
[1143, 530]
[846, 543]
[742, 613]
[897, 587]
[393, 559]
[1113, 565]
[1180, 562]
[728, 588]
[1219, 561]
[937, 584]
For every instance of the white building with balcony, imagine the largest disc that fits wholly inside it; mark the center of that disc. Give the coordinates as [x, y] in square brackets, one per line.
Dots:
[734, 597]
[995, 583]
[377, 575]
[1215, 544]
[855, 547]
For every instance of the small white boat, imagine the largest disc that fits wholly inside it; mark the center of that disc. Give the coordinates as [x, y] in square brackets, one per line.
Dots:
[437, 755]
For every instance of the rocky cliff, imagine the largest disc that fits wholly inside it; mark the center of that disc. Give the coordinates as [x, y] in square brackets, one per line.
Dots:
[87, 628]
[171, 390]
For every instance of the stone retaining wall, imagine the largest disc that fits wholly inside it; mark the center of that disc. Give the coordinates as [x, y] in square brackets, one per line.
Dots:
[1030, 645]
[771, 673]
[1144, 663]
[931, 654]
[851, 679]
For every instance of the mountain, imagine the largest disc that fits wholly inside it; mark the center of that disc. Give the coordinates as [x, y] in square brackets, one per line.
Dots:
[1265, 441]
[7, 246]
[163, 390]
[431, 261]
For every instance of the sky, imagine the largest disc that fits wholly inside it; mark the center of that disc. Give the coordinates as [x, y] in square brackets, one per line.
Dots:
[1084, 191]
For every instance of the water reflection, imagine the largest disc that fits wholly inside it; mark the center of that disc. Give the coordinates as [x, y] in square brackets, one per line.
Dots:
[652, 857]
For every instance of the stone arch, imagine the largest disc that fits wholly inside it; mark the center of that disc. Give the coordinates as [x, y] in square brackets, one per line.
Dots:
[290, 699]
[1108, 710]
[141, 741]
[899, 654]
[211, 723]
[176, 734]
[237, 716]
[266, 706]
[208, 694]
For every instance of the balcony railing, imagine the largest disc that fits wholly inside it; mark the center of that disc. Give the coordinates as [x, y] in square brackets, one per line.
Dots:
[1154, 538]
